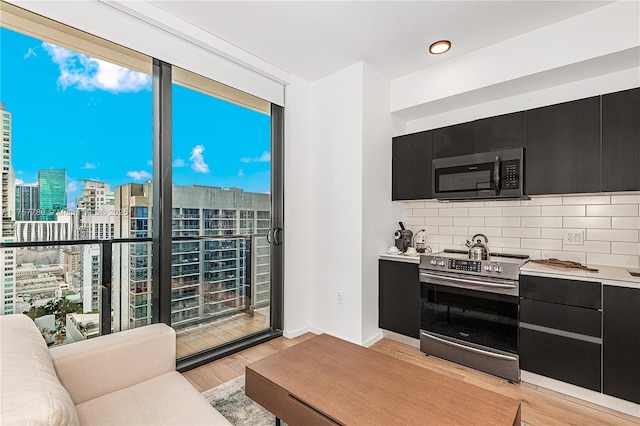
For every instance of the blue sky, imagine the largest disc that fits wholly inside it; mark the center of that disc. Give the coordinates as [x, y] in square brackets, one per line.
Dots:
[93, 119]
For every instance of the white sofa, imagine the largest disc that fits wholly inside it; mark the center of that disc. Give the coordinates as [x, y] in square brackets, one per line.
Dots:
[126, 378]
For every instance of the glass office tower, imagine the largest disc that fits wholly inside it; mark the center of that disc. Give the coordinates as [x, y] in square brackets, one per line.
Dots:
[53, 192]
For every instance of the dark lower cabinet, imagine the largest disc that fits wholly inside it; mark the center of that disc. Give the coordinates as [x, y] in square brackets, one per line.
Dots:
[562, 358]
[621, 343]
[411, 167]
[560, 329]
[399, 297]
[621, 141]
[563, 148]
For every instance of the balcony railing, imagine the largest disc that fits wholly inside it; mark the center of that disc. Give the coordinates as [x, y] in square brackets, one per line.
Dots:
[119, 301]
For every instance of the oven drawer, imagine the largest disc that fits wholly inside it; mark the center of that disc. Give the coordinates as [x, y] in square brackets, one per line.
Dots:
[586, 294]
[563, 358]
[562, 317]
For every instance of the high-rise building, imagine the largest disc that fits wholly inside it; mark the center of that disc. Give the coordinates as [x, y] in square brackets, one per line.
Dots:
[53, 192]
[209, 277]
[27, 202]
[94, 195]
[90, 277]
[7, 255]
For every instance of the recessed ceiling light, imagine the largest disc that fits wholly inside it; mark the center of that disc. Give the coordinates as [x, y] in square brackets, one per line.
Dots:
[439, 47]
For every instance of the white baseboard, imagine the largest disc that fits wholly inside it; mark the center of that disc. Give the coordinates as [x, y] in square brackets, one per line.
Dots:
[401, 338]
[378, 336]
[581, 393]
[292, 334]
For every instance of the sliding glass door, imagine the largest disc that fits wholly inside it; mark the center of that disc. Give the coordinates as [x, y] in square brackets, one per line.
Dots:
[221, 213]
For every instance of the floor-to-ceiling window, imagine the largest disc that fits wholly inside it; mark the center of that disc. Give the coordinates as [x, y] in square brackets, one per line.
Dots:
[78, 192]
[221, 194]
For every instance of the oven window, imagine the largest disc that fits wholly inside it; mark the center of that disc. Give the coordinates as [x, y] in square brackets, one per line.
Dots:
[483, 318]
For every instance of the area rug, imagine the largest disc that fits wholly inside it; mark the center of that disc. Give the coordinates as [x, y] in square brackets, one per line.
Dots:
[229, 399]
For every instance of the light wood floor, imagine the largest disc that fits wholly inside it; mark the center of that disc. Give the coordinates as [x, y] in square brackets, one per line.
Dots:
[540, 407]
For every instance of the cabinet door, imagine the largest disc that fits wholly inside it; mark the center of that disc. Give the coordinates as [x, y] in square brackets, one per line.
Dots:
[454, 140]
[501, 132]
[559, 357]
[621, 141]
[621, 343]
[399, 297]
[411, 167]
[563, 148]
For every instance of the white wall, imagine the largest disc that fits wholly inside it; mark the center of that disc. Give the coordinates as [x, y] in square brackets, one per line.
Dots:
[378, 215]
[297, 208]
[335, 225]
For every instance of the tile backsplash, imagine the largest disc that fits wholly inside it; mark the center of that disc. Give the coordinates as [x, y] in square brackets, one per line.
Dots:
[599, 229]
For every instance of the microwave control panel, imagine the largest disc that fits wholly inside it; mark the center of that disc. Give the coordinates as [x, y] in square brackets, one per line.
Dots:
[510, 174]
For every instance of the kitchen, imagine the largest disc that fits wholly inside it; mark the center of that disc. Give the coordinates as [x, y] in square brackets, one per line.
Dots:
[567, 328]
[339, 124]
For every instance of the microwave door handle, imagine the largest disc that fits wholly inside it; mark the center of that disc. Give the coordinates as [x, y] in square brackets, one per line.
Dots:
[496, 174]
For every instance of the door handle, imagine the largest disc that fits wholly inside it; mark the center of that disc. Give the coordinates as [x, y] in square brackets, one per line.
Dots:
[276, 236]
[496, 174]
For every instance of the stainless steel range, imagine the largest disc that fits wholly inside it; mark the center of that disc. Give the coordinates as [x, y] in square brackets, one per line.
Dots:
[469, 310]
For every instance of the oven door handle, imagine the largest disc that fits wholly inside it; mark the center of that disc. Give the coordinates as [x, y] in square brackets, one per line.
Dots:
[467, 281]
[470, 349]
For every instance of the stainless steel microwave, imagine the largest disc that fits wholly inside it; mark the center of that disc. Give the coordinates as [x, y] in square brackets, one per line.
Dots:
[487, 175]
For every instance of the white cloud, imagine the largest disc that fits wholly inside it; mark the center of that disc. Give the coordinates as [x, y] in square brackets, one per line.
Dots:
[141, 175]
[19, 181]
[197, 160]
[71, 205]
[150, 163]
[30, 52]
[240, 173]
[264, 158]
[86, 73]
[19, 172]
[72, 186]
[89, 166]
[179, 162]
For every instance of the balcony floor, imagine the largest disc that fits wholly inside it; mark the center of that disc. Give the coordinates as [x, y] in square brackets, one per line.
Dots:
[206, 336]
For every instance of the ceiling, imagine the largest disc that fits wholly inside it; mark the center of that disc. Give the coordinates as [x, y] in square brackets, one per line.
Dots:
[312, 39]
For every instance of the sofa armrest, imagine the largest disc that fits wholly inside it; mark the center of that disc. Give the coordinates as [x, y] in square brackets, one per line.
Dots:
[104, 364]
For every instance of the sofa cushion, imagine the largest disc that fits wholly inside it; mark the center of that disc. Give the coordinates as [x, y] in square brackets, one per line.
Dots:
[30, 390]
[168, 399]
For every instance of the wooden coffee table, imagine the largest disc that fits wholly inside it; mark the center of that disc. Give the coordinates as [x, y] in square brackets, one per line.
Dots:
[325, 380]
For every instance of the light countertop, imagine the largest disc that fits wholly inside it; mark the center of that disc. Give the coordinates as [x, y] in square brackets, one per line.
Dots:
[608, 275]
[409, 258]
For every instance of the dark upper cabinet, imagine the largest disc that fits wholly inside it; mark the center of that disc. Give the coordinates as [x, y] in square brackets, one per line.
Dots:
[399, 297]
[454, 140]
[621, 141]
[563, 148]
[411, 167]
[501, 132]
[620, 343]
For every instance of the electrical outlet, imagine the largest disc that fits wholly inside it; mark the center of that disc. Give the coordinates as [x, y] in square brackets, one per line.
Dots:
[341, 298]
[574, 237]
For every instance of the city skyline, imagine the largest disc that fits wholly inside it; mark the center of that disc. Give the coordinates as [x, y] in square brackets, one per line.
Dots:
[92, 118]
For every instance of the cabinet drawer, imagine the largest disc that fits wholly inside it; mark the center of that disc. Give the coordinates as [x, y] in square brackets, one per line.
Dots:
[562, 317]
[562, 358]
[586, 294]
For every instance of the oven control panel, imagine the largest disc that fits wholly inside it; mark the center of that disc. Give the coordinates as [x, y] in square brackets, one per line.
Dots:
[465, 265]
